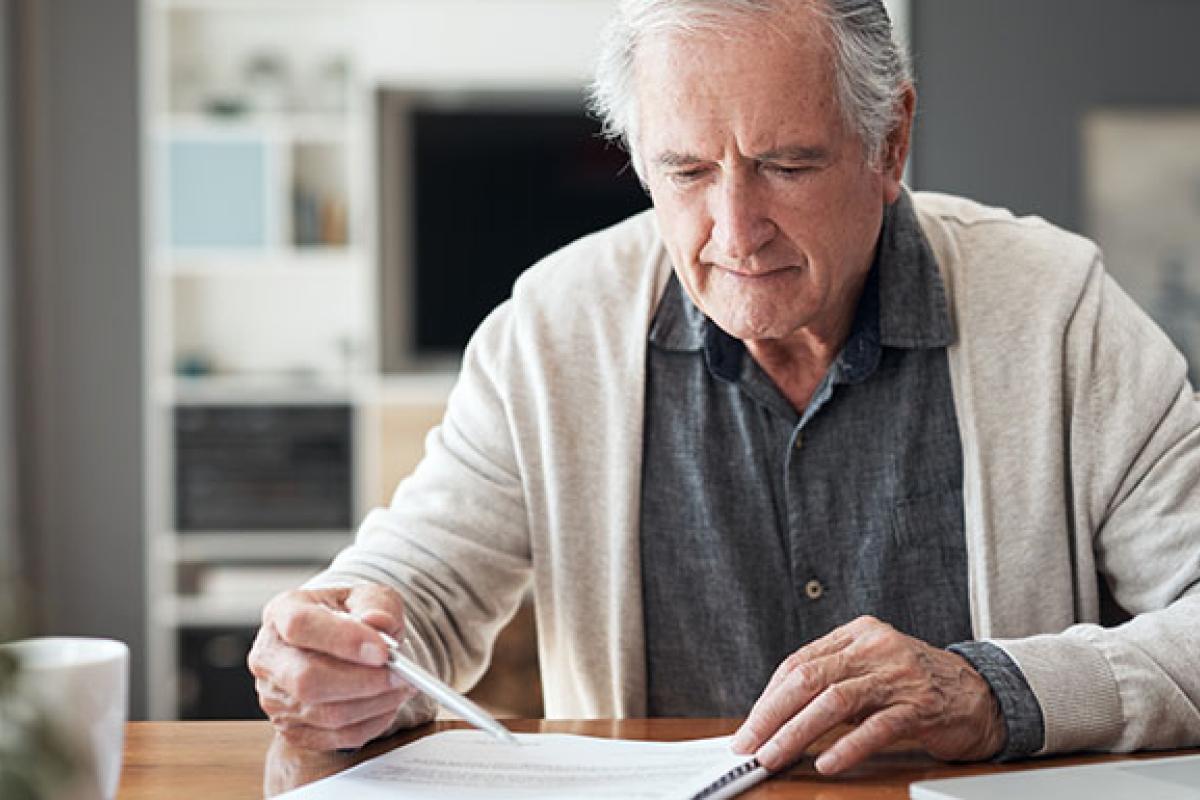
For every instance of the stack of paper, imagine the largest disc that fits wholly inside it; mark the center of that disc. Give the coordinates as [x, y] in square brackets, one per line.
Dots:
[470, 765]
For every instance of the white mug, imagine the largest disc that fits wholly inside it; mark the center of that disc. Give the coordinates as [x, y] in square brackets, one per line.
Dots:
[82, 685]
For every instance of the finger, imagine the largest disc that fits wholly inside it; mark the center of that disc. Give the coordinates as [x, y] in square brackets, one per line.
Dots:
[336, 716]
[355, 736]
[310, 678]
[331, 597]
[877, 732]
[263, 660]
[307, 677]
[272, 700]
[380, 607]
[833, 642]
[301, 621]
[266, 649]
[837, 704]
[780, 703]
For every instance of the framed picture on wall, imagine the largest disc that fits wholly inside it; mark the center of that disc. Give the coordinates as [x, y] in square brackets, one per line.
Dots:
[1142, 175]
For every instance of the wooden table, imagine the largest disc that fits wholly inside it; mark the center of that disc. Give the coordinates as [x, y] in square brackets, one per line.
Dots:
[183, 760]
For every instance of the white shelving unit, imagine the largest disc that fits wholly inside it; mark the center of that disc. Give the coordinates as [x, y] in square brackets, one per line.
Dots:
[260, 272]
[260, 283]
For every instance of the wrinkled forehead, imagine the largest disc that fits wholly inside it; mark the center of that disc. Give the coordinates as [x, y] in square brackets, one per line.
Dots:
[681, 72]
[802, 21]
[750, 48]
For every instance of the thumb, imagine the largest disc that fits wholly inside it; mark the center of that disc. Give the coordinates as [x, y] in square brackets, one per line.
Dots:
[378, 606]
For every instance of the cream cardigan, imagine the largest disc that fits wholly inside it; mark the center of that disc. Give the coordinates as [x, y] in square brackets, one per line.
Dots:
[1080, 442]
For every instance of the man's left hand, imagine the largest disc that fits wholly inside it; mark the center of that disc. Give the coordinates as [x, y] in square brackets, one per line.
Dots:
[896, 687]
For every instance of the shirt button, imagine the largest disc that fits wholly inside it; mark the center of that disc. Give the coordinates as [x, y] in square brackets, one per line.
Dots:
[799, 441]
[814, 590]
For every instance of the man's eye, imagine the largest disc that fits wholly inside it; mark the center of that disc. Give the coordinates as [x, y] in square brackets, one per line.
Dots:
[786, 171]
[686, 176]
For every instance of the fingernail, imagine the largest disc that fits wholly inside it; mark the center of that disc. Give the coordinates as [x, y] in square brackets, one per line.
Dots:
[828, 762]
[768, 753]
[372, 653]
[743, 742]
[395, 680]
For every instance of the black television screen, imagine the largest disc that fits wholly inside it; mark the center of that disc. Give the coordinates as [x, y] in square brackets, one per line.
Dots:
[480, 188]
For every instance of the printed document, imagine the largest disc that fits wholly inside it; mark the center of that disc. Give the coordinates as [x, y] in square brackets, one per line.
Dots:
[471, 765]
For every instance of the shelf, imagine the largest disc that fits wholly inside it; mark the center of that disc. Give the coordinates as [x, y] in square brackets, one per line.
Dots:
[282, 127]
[267, 262]
[415, 388]
[208, 612]
[272, 546]
[236, 593]
[256, 390]
[258, 5]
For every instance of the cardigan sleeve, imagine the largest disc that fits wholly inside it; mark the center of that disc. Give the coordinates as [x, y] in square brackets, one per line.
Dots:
[1134, 460]
[454, 541]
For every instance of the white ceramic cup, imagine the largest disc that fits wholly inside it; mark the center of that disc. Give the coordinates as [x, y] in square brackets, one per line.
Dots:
[82, 685]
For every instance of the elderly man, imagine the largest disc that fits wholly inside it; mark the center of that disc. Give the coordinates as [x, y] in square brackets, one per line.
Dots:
[797, 444]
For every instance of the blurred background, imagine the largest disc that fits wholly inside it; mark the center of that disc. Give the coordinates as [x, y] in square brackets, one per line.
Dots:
[242, 243]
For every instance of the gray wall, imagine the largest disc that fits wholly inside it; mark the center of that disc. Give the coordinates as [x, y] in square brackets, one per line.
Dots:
[79, 283]
[9, 554]
[1004, 85]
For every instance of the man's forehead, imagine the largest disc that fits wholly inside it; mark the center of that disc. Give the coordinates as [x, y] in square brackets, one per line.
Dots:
[784, 117]
[685, 67]
[796, 22]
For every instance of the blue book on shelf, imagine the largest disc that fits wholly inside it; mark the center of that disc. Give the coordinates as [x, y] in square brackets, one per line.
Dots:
[217, 193]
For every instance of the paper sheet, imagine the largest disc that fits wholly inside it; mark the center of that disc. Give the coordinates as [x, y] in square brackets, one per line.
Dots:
[470, 765]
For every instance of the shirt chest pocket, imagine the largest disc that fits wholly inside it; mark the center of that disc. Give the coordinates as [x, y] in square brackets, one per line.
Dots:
[927, 532]
[911, 570]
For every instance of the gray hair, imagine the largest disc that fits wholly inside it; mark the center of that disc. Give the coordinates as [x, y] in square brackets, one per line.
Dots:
[872, 70]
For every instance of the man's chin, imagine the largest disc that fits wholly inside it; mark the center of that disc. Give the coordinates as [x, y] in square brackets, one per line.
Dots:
[757, 330]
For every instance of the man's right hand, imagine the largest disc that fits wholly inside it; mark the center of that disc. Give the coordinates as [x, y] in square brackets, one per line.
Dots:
[320, 675]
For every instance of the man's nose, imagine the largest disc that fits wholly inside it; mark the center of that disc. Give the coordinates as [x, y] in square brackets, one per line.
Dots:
[741, 224]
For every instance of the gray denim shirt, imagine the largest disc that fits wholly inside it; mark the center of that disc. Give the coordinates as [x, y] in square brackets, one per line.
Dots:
[763, 528]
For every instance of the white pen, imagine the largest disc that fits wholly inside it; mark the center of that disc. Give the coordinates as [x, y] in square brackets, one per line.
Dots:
[440, 692]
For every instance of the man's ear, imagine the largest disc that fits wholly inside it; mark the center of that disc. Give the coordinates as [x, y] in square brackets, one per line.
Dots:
[898, 144]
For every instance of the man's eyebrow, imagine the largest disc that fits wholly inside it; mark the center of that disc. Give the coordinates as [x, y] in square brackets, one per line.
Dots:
[794, 152]
[669, 158]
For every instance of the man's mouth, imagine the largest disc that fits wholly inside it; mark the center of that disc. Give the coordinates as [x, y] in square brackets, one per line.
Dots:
[759, 274]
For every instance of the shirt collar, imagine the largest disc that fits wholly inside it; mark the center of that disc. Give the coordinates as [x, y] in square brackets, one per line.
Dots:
[913, 310]
[903, 305]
